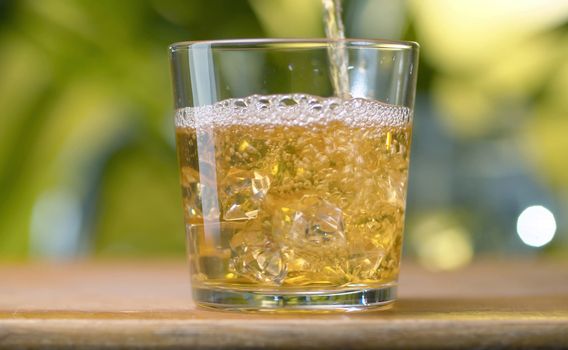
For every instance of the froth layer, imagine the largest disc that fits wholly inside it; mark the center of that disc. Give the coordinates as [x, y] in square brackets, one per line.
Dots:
[293, 110]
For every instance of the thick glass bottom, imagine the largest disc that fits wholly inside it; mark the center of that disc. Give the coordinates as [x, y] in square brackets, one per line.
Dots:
[320, 301]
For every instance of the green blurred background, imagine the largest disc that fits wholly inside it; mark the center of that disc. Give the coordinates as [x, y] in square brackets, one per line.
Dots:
[87, 157]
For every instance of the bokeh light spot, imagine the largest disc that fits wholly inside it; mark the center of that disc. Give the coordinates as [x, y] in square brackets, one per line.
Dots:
[442, 243]
[536, 226]
[446, 250]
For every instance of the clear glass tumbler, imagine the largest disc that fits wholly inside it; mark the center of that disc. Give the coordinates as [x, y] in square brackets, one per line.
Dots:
[293, 192]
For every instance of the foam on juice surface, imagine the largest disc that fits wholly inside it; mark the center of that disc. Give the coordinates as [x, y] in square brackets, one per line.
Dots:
[293, 110]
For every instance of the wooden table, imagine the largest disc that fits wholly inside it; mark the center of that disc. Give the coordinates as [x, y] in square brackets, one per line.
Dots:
[489, 305]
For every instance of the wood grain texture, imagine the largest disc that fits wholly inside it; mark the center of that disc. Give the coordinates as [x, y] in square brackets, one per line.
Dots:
[490, 305]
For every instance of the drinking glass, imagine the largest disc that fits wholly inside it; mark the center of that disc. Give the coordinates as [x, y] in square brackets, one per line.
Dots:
[294, 192]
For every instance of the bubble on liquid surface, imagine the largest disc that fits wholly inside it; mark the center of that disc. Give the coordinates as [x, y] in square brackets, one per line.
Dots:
[293, 110]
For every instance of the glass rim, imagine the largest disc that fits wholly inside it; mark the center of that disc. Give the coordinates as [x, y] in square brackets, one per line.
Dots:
[293, 43]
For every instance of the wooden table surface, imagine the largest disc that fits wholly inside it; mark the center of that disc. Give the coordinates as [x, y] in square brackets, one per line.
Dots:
[124, 304]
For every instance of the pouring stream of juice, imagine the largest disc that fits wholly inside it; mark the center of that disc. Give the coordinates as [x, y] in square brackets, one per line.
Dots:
[338, 58]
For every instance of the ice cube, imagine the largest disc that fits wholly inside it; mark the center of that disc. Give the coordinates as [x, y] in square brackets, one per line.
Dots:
[247, 153]
[241, 211]
[260, 185]
[191, 193]
[396, 187]
[256, 257]
[374, 241]
[310, 232]
[243, 193]
[299, 226]
[191, 202]
[317, 221]
[364, 265]
[309, 264]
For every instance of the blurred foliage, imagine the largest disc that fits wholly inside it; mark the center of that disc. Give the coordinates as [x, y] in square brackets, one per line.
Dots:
[86, 112]
[86, 102]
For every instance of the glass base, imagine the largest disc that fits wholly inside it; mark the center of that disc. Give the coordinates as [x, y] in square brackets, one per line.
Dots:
[339, 301]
